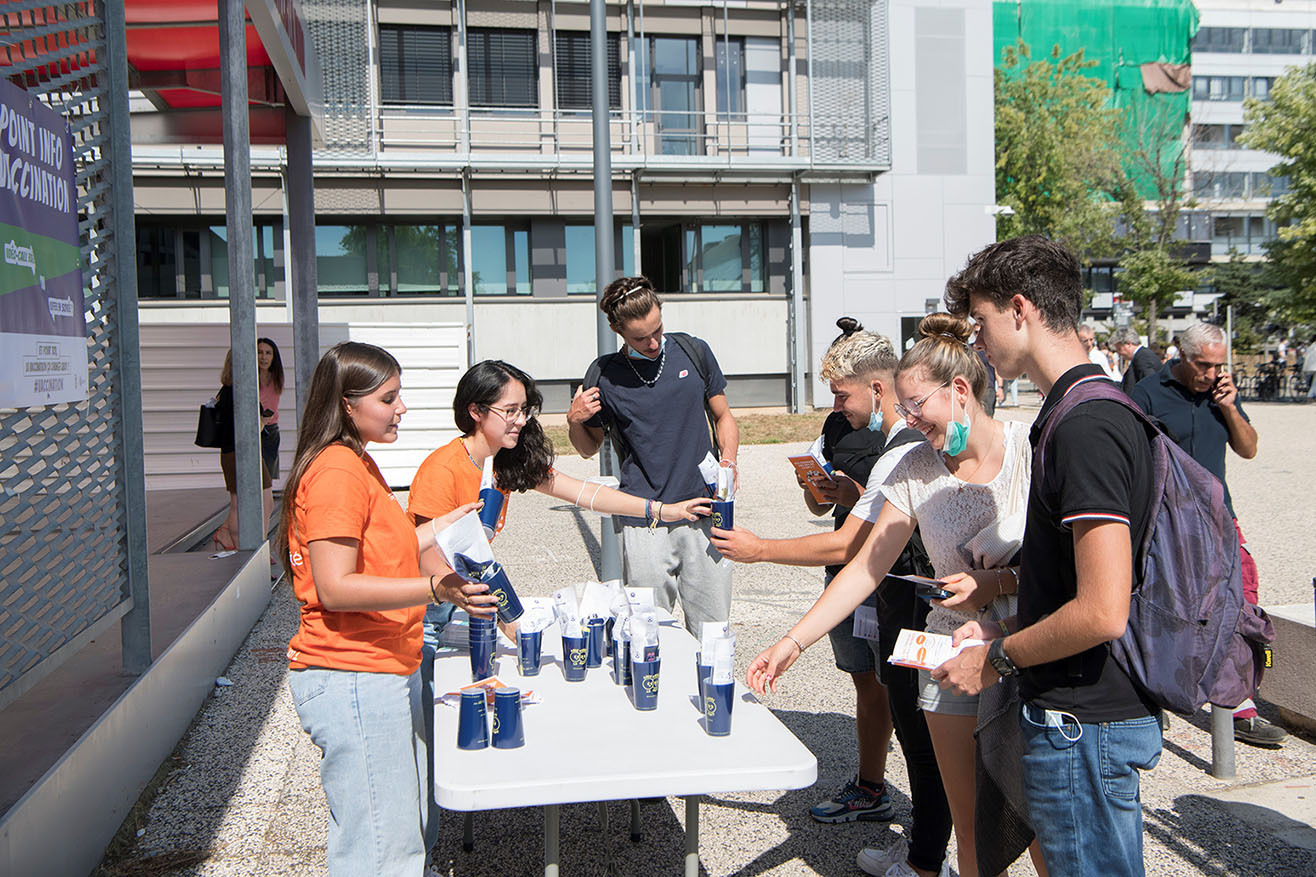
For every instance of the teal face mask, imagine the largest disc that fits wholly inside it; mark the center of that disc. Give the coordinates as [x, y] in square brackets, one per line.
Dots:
[957, 435]
[633, 355]
[875, 418]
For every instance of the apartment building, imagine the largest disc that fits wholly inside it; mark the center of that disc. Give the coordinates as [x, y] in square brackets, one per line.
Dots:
[454, 182]
[1240, 49]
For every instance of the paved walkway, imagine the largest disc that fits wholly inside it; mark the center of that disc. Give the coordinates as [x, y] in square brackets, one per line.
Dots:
[243, 796]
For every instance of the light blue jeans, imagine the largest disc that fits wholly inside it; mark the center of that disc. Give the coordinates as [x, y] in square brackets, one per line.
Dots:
[371, 733]
[1082, 785]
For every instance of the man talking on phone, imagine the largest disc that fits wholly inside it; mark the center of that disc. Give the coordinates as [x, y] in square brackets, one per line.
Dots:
[1196, 401]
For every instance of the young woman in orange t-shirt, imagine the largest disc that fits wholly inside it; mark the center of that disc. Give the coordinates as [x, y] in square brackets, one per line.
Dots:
[354, 558]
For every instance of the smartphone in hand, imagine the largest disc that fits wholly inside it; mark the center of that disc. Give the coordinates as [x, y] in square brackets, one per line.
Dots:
[929, 591]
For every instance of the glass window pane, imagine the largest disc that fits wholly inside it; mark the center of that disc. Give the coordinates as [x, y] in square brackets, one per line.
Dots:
[503, 67]
[489, 259]
[627, 251]
[340, 259]
[757, 279]
[218, 235]
[580, 259]
[417, 251]
[265, 277]
[730, 78]
[415, 64]
[521, 257]
[691, 272]
[721, 258]
[573, 72]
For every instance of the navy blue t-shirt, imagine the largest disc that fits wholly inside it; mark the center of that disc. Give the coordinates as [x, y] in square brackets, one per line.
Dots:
[1193, 420]
[664, 425]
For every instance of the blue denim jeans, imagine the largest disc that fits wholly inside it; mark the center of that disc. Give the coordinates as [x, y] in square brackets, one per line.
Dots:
[371, 734]
[437, 616]
[1082, 786]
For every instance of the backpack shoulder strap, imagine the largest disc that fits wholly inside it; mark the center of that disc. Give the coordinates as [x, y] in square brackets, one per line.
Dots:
[695, 353]
[906, 436]
[592, 375]
[1086, 389]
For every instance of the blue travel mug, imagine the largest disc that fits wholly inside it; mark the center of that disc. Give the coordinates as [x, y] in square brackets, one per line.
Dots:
[473, 721]
[594, 643]
[483, 644]
[718, 698]
[508, 731]
[529, 651]
[621, 662]
[509, 605]
[574, 652]
[492, 508]
[702, 672]
[644, 685]
[724, 513]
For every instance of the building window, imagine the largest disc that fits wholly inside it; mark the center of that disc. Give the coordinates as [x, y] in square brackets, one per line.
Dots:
[500, 259]
[572, 64]
[420, 259]
[1218, 88]
[1220, 186]
[1261, 86]
[192, 263]
[670, 88]
[503, 68]
[580, 257]
[1277, 40]
[730, 56]
[342, 258]
[723, 258]
[1219, 39]
[415, 65]
[1100, 278]
[1217, 136]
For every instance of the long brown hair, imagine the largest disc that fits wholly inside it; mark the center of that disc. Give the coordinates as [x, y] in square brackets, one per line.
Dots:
[346, 372]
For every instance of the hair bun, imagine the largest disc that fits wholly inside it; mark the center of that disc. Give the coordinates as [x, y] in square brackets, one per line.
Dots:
[945, 325]
[849, 325]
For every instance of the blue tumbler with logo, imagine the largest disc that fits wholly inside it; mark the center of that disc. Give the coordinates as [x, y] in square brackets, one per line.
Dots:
[473, 721]
[508, 731]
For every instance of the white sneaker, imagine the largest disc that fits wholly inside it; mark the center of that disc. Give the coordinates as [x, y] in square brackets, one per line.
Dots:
[891, 862]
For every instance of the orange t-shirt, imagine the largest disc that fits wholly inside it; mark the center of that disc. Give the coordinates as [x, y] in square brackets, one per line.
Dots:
[342, 495]
[448, 478]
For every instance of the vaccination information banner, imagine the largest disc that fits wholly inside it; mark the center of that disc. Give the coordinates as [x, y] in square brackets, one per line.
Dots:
[43, 347]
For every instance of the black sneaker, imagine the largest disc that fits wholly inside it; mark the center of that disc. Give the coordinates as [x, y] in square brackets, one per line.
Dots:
[1258, 732]
[855, 802]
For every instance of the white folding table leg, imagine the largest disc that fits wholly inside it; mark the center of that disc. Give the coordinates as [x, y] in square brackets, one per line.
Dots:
[692, 836]
[551, 817]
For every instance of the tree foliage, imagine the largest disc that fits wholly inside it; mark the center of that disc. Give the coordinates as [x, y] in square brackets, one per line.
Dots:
[1151, 278]
[1283, 125]
[1058, 152]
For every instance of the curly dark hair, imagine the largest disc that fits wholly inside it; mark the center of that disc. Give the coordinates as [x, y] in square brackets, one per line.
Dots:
[1041, 270]
[528, 464]
[626, 299]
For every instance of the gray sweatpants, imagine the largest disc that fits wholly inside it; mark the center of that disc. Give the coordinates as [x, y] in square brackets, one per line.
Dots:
[679, 562]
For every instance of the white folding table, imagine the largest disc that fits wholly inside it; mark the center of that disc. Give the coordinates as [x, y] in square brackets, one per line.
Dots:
[585, 742]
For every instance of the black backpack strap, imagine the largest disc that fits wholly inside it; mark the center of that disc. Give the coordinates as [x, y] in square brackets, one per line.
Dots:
[695, 353]
[619, 445]
[907, 436]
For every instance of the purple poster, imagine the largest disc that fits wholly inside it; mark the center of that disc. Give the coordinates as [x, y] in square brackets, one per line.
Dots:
[43, 347]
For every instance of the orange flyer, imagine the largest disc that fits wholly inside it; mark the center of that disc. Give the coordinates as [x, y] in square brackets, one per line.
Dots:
[813, 475]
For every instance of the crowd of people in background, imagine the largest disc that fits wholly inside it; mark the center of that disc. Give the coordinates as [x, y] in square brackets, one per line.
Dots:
[1033, 741]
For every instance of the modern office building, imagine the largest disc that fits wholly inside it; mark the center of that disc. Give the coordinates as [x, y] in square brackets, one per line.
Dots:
[775, 165]
[1240, 49]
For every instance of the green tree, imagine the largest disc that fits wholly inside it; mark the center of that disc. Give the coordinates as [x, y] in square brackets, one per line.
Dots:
[1150, 278]
[1283, 125]
[1058, 152]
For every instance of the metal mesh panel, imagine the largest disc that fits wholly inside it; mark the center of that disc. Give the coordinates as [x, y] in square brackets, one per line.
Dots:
[63, 546]
[851, 88]
[341, 33]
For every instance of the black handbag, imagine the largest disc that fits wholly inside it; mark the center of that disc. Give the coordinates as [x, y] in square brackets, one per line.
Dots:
[208, 426]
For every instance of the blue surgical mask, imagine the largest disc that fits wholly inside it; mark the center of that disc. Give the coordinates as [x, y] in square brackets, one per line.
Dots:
[957, 434]
[875, 418]
[634, 355]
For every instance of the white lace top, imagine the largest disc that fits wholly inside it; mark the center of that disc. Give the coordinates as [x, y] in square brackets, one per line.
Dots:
[950, 512]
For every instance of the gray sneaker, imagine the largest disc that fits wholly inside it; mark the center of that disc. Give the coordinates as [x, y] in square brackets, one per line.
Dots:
[1258, 732]
[855, 802]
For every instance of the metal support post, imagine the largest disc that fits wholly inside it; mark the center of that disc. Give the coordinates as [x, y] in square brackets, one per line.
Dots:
[797, 319]
[135, 626]
[637, 826]
[792, 96]
[692, 836]
[468, 831]
[604, 257]
[303, 285]
[552, 827]
[242, 285]
[1222, 743]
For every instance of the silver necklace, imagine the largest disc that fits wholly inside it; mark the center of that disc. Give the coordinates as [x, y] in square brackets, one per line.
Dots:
[662, 361]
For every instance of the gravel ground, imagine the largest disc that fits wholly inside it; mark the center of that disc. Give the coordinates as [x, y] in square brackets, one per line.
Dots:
[243, 796]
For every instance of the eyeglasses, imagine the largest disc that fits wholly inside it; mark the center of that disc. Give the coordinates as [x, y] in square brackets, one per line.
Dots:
[915, 409]
[512, 413]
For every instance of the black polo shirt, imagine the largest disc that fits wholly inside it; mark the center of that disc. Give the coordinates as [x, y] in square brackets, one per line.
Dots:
[1193, 420]
[1099, 466]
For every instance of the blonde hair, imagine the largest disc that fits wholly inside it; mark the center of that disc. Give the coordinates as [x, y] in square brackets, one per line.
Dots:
[860, 354]
[943, 353]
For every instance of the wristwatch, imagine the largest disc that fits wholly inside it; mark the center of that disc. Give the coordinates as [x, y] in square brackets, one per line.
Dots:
[1000, 660]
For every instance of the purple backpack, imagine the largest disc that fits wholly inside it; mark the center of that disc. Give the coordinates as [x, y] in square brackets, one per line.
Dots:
[1191, 637]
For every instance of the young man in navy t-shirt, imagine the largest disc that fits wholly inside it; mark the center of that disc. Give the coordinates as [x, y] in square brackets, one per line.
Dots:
[652, 394]
[1088, 730]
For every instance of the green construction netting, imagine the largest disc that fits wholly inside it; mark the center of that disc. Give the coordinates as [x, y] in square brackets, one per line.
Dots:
[1120, 36]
